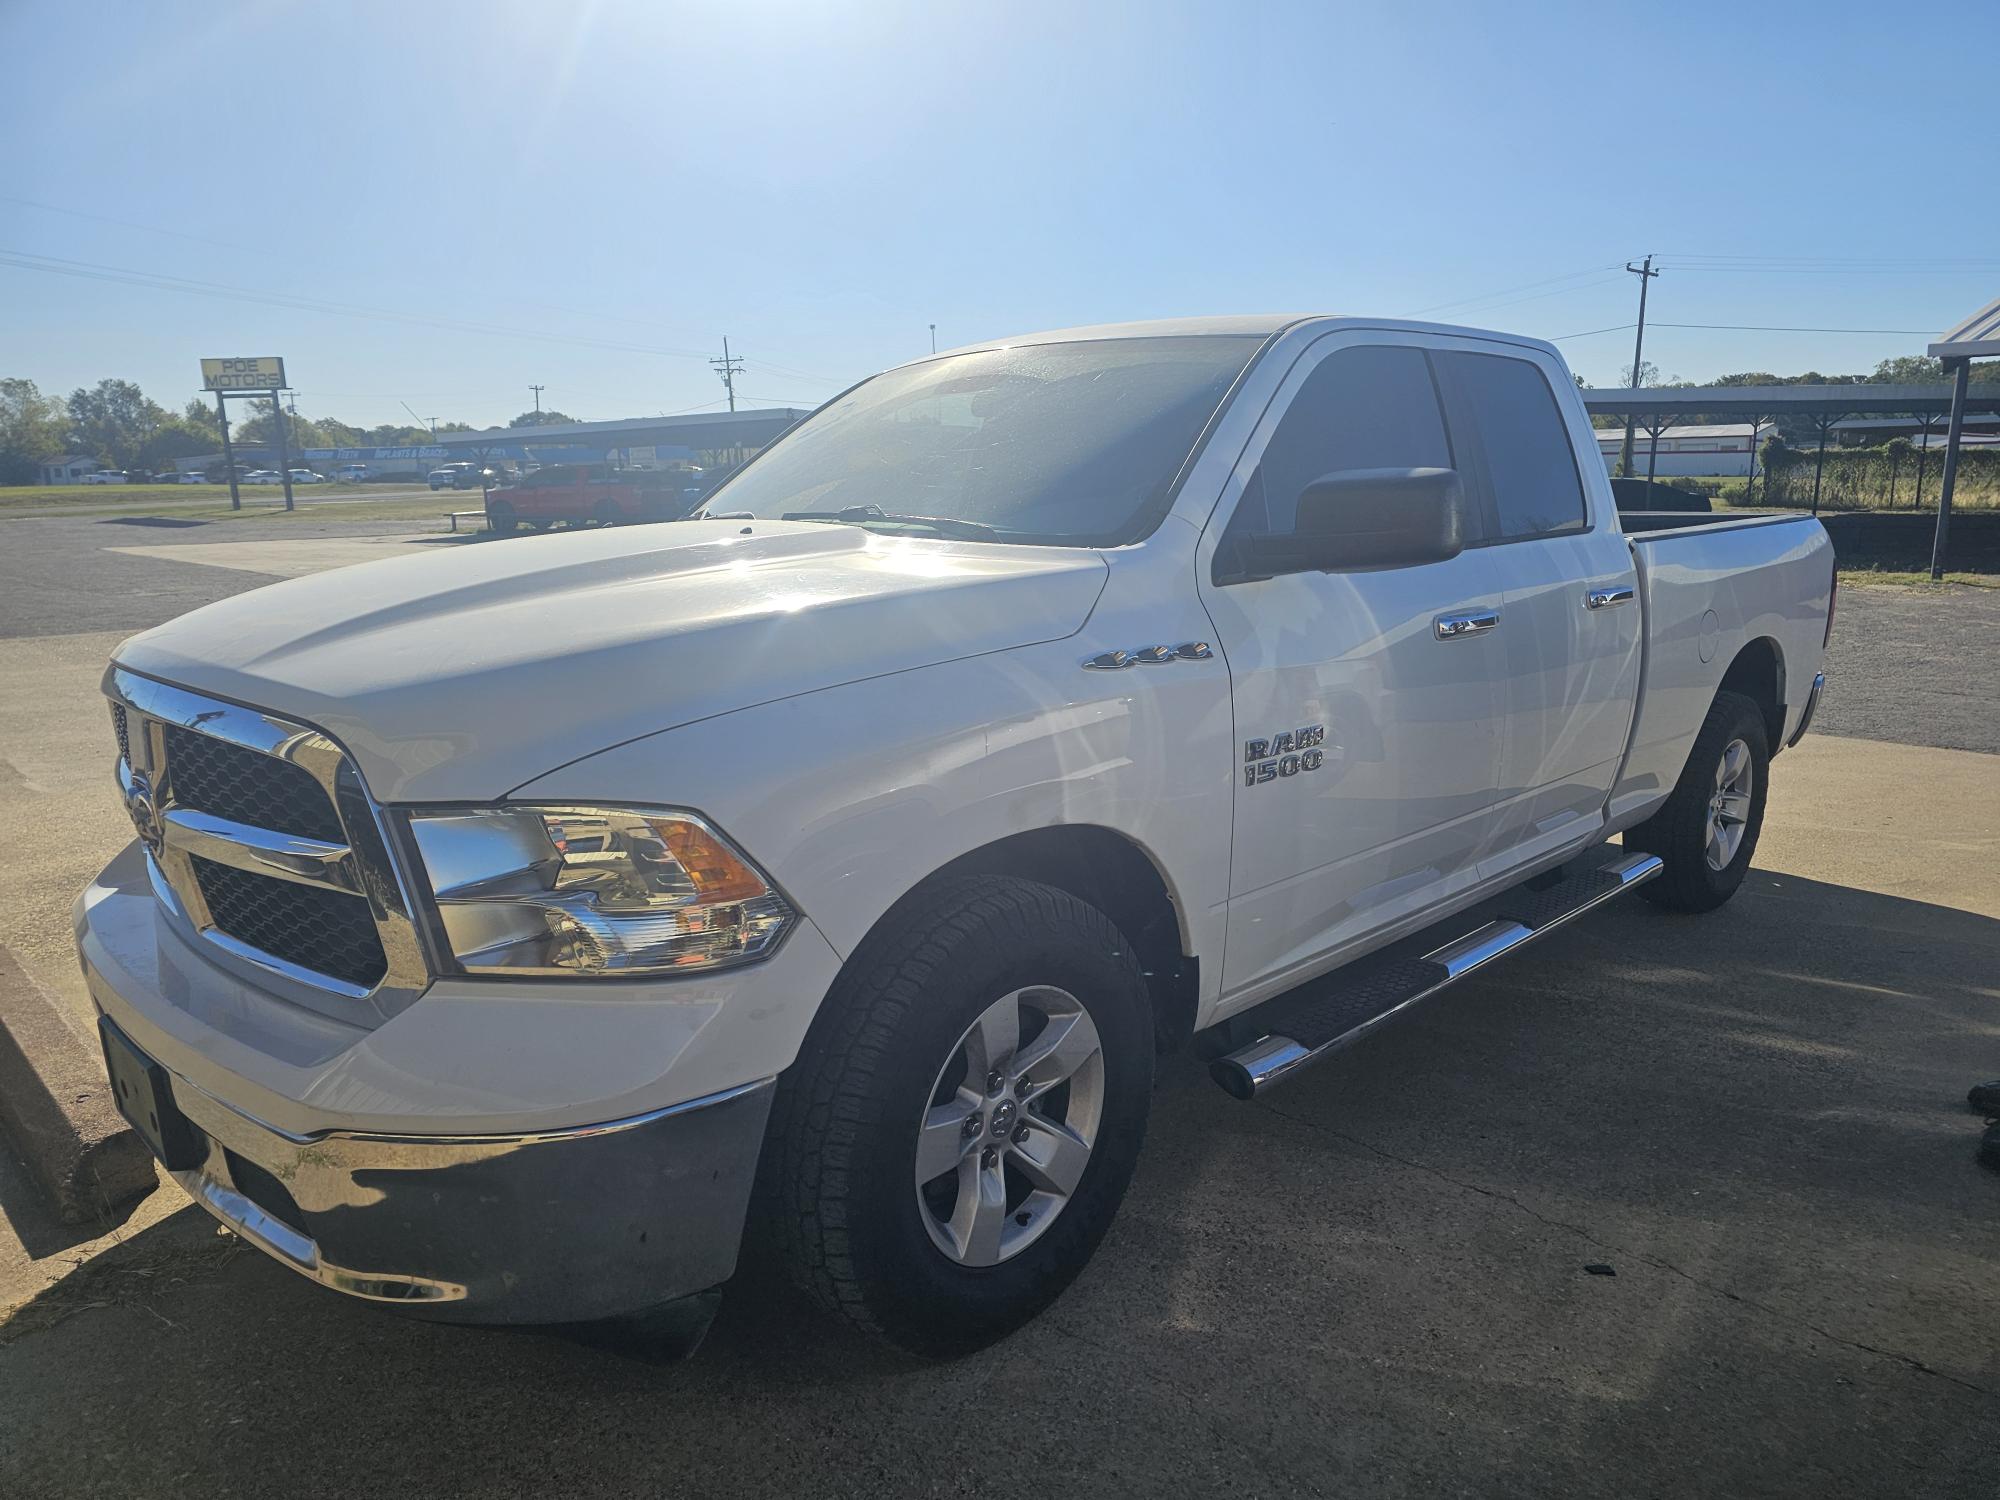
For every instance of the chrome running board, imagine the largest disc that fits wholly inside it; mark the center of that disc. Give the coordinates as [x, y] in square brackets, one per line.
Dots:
[1327, 1014]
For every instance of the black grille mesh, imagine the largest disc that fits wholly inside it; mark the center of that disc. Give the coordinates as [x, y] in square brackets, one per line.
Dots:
[228, 781]
[123, 729]
[325, 931]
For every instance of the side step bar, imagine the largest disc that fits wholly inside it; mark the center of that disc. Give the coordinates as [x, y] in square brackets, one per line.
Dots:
[1323, 1016]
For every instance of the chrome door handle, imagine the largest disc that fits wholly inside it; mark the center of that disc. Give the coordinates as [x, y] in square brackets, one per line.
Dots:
[1606, 598]
[1472, 622]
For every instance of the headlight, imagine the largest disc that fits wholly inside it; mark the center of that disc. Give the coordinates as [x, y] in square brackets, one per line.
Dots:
[594, 891]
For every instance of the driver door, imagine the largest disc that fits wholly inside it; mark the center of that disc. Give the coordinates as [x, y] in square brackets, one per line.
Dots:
[1369, 727]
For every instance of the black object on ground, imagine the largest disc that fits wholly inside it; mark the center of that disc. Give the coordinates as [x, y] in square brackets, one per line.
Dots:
[1985, 1098]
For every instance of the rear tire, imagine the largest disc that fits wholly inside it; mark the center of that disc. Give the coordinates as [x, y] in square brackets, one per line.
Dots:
[1708, 829]
[869, 1106]
[607, 513]
[500, 517]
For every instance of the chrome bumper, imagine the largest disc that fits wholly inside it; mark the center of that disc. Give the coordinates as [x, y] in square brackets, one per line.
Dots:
[562, 1227]
[1812, 707]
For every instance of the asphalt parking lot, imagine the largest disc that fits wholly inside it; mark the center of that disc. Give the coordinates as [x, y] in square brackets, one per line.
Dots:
[1374, 1283]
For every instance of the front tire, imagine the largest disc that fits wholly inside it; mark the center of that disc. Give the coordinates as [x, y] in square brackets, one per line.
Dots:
[964, 1118]
[1708, 829]
[500, 517]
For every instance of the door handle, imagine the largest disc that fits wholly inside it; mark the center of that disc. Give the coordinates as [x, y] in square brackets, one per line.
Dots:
[1472, 622]
[1607, 598]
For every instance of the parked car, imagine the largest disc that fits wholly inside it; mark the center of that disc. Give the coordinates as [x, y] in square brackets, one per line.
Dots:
[193, 478]
[1023, 714]
[352, 473]
[262, 476]
[307, 476]
[459, 477]
[106, 476]
[1643, 495]
[597, 493]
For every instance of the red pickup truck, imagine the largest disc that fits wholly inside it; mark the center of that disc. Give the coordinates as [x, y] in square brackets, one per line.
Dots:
[590, 492]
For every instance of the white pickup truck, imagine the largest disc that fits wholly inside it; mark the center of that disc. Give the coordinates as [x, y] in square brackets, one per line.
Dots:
[497, 920]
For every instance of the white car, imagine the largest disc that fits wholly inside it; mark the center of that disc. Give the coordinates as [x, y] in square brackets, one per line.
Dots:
[307, 476]
[106, 476]
[192, 478]
[262, 476]
[1025, 713]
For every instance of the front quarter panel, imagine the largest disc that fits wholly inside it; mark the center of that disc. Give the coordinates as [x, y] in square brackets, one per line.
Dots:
[850, 797]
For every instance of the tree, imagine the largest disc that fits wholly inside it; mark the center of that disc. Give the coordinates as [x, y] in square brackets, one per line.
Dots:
[31, 430]
[1649, 375]
[113, 421]
[540, 419]
[1921, 369]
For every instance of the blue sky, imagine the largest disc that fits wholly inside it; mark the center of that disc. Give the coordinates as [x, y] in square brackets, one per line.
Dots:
[611, 188]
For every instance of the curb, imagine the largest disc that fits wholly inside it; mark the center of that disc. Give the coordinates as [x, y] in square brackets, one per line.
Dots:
[55, 1105]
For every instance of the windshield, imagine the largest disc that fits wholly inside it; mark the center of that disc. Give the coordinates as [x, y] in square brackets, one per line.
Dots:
[1071, 444]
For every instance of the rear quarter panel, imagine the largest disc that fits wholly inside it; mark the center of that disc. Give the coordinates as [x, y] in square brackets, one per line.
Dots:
[1708, 592]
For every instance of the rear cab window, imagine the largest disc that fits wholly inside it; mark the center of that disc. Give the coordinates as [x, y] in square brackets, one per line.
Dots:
[1514, 453]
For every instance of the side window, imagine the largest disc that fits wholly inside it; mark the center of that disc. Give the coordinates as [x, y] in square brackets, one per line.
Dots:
[1513, 445]
[1368, 407]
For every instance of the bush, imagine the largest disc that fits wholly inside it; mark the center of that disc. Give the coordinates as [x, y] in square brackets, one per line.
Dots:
[1860, 478]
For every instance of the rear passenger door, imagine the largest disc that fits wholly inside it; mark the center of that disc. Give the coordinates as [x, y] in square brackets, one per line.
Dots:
[1570, 616]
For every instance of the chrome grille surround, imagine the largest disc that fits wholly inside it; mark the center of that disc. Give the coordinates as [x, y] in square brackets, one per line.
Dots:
[357, 867]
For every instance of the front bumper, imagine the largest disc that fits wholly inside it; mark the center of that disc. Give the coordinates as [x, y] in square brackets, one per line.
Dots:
[521, 1154]
[566, 1226]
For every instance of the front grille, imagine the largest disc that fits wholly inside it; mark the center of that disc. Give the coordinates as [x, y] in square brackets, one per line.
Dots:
[324, 931]
[121, 726]
[246, 786]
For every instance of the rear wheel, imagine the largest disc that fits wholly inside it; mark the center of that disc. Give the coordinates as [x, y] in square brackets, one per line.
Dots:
[500, 517]
[962, 1123]
[607, 513]
[1707, 831]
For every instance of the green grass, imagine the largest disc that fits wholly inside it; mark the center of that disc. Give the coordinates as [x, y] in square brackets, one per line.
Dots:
[120, 496]
[1864, 574]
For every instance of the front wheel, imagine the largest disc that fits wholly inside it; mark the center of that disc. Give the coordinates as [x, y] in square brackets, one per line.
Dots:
[1707, 830]
[500, 517]
[963, 1120]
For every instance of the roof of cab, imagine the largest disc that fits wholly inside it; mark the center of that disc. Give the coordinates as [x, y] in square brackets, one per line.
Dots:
[1242, 325]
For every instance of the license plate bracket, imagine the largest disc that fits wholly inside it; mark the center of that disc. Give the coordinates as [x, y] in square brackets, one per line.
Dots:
[145, 1097]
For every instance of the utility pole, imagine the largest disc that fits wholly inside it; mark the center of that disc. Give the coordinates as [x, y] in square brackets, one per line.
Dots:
[1645, 273]
[434, 427]
[728, 369]
[538, 398]
[933, 338]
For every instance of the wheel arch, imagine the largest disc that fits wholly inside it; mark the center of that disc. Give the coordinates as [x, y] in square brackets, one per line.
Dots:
[1758, 673]
[1118, 876]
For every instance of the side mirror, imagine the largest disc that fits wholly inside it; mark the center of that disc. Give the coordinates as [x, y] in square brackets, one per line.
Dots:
[1358, 518]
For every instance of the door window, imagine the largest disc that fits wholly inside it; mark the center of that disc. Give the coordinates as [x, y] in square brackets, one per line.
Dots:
[1514, 448]
[1368, 407]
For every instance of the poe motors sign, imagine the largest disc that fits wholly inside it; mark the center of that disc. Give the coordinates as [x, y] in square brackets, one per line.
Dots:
[264, 373]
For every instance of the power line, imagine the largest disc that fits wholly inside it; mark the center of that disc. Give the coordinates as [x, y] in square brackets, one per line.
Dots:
[1592, 332]
[1774, 328]
[1509, 290]
[1740, 328]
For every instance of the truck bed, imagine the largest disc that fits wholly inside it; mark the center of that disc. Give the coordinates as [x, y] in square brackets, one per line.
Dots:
[1713, 588]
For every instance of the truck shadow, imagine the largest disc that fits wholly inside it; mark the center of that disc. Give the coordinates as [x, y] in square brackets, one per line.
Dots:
[1375, 1279]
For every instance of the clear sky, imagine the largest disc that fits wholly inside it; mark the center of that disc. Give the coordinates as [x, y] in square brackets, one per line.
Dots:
[607, 189]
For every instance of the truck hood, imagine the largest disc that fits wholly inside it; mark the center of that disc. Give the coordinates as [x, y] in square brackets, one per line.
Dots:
[464, 674]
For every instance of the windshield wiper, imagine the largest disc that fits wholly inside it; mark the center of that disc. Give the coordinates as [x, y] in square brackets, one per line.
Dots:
[860, 515]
